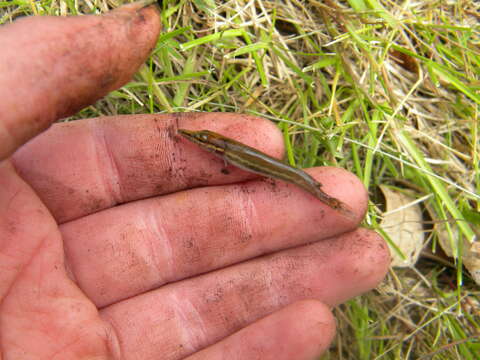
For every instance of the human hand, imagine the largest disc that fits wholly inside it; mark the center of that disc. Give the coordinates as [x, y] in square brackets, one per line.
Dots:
[118, 239]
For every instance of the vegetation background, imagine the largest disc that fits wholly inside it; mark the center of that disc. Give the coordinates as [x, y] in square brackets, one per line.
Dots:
[387, 89]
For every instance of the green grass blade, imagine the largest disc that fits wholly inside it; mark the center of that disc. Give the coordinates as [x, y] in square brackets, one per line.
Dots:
[437, 186]
[231, 33]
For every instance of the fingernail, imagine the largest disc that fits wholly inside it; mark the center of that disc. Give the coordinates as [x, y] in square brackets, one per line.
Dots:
[146, 3]
[137, 6]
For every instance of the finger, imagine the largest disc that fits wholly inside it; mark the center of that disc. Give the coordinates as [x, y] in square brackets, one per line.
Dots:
[300, 331]
[127, 250]
[51, 67]
[190, 315]
[82, 167]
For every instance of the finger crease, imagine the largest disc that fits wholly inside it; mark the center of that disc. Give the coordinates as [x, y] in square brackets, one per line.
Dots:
[160, 240]
[191, 327]
[110, 173]
[248, 215]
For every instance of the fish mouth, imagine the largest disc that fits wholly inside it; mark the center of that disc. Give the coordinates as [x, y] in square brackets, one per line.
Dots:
[185, 132]
[188, 134]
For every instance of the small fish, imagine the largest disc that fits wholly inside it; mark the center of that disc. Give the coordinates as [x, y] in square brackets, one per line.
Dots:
[253, 160]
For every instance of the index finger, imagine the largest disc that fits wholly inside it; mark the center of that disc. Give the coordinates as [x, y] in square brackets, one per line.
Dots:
[51, 67]
[81, 167]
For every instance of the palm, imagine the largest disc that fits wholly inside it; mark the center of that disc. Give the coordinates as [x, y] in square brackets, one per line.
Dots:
[43, 313]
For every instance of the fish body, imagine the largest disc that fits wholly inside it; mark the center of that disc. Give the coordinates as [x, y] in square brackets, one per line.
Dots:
[255, 161]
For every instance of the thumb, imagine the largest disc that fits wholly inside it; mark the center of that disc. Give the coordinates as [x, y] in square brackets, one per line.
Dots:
[51, 67]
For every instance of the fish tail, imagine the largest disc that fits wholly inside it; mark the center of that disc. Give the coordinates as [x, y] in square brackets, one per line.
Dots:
[334, 203]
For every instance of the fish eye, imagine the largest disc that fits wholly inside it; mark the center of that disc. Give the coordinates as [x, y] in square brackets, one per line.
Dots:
[204, 137]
